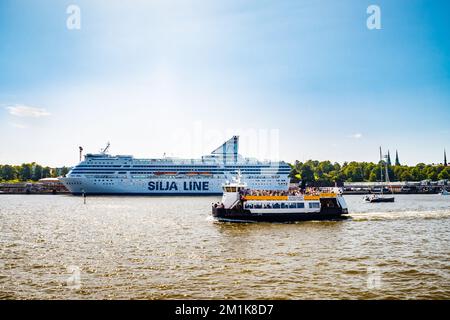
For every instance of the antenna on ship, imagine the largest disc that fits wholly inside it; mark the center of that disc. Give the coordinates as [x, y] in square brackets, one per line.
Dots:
[103, 151]
[81, 152]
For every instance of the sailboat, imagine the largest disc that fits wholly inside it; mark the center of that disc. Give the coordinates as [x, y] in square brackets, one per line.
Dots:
[380, 198]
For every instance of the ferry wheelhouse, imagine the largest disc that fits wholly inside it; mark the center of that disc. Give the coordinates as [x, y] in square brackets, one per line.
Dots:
[239, 204]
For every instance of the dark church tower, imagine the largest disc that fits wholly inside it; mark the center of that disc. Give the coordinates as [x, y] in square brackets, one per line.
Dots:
[397, 161]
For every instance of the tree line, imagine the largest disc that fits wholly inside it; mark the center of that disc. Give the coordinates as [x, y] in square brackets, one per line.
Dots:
[29, 172]
[314, 172]
[311, 172]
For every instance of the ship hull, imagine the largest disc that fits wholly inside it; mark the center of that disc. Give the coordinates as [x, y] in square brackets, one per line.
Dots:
[157, 186]
[242, 215]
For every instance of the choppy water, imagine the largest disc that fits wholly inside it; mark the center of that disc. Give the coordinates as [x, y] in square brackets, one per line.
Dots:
[54, 247]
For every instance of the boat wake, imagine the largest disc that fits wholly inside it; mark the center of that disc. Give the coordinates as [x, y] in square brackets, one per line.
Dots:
[400, 215]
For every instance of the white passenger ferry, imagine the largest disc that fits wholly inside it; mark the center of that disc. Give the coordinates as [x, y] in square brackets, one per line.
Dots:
[106, 174]
[240, 204]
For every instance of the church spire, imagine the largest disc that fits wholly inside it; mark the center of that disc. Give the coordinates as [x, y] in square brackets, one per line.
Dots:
[397, 161]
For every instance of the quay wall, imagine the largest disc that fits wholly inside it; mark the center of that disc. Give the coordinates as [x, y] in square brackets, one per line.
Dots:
[32, 188]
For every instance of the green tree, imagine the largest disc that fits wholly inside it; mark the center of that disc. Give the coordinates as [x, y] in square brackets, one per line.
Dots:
[444, 174]
[8, 172]
[37, 173]
[406, 176]
[46, 172]
[306, 174]
[25, 172]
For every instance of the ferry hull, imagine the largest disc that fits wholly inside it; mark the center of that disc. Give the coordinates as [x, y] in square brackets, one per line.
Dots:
[235, 215]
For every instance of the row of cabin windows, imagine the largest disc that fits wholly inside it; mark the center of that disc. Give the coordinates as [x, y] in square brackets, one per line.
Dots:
[281, 205]
[104, 164]
[193, 170]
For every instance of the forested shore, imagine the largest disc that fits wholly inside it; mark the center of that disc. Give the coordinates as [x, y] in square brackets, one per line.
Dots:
[311, 171]
[326, 172]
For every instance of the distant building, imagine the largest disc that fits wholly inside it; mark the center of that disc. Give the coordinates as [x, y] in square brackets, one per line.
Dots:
[397, 161]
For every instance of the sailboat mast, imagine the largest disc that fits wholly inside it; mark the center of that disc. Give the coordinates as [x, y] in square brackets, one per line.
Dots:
[388, 181]
[381, 170]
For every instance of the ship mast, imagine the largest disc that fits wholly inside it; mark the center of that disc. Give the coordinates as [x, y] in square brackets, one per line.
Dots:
[103, 151]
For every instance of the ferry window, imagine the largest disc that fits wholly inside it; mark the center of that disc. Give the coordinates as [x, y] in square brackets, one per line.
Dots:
[284, 205]
[292, 205]
[276, 206]
[258, 206]
[300, 205]
[249, 205]
[314, 205]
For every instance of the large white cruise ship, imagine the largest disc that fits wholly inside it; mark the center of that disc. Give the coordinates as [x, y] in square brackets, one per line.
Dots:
[106, 174]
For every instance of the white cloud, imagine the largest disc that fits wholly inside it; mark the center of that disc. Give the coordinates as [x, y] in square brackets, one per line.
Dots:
[26, 111]
[356, 136]
[18, 125]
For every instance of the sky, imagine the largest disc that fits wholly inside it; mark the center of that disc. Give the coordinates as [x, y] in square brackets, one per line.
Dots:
[296, 80]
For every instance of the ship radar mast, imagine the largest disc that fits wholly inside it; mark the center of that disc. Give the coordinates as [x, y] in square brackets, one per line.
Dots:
[105, 150]
[237, 178]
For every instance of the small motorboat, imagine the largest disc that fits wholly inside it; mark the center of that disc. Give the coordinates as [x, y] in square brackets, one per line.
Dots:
[444, 193]
[379, 199]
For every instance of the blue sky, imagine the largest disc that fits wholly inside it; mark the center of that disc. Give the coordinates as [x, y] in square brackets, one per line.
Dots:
[296, 79]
